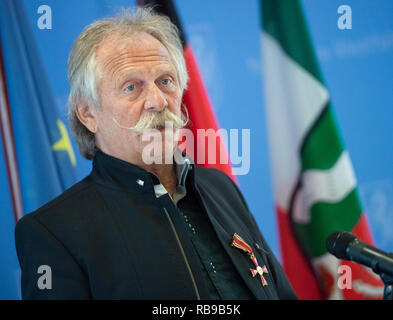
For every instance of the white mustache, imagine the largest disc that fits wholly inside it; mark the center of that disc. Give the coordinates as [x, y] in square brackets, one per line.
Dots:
[156, 120]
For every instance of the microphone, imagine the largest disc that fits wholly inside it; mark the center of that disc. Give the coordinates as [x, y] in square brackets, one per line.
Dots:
[344, 245]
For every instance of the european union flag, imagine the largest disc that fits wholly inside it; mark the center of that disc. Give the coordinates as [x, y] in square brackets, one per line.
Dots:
[37, 155]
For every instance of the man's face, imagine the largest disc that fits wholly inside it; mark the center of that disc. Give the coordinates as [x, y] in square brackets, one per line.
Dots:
[138, 77]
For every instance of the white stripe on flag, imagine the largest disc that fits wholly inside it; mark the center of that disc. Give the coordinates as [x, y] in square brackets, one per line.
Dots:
[329, 186]
[294, 99]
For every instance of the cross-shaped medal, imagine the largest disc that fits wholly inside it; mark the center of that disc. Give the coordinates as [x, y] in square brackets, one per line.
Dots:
[259, 270]
[238, 242]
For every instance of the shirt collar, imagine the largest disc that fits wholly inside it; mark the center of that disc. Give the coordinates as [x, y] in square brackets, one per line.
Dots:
[117, 173]
[183, 164]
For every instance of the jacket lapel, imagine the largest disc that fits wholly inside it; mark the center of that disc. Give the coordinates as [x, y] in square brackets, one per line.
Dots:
[225, 227]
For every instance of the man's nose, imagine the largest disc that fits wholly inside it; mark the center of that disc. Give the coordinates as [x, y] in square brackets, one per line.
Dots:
[155, 99]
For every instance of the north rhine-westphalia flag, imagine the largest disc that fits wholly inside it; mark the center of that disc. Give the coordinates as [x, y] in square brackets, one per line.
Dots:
[314, 182]
[196, 99]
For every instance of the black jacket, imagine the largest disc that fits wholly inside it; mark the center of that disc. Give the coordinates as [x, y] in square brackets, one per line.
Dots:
[109, 237]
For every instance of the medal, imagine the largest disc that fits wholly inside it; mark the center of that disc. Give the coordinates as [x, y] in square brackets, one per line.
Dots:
[238, 242]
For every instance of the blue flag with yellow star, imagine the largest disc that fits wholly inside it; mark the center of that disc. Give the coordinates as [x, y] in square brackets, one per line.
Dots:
[36, 151]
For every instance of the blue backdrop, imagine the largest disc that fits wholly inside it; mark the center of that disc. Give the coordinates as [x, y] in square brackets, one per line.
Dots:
[357, 65]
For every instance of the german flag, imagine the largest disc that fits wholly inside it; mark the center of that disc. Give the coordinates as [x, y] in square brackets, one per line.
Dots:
[196, 99]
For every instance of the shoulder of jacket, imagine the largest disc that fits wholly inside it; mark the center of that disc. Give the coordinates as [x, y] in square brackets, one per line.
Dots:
[214, 178]
[68, 198]
[204, 172]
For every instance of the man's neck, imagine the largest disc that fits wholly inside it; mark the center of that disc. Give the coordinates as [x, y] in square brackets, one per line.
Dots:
[166, 174]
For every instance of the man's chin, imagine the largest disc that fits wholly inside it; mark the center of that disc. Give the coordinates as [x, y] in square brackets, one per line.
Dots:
[158, 147]
[154, 158]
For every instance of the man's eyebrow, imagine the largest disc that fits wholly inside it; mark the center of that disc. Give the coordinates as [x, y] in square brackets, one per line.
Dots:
[168, 70]
[119, 79]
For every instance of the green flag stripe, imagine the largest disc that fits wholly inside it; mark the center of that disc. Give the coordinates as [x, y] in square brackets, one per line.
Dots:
[283, 19]
[322, 146]
[326, 218]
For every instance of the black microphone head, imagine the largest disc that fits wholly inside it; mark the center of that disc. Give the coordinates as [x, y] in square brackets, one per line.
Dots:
[337, 243]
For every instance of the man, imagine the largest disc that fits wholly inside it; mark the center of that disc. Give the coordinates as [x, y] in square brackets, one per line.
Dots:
[140, 226]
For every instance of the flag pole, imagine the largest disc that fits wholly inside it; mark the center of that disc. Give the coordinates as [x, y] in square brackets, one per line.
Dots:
[9, 146]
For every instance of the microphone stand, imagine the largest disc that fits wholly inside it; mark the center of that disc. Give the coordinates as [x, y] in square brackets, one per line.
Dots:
[388, 282]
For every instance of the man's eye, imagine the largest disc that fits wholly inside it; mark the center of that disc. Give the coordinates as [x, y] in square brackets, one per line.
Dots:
[131, 87]
[165, 82]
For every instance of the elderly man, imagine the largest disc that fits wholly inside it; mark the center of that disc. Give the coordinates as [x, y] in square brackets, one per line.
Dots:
[139, 227]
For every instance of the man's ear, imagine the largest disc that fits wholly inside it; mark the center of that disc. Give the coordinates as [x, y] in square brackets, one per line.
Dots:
[87, 114]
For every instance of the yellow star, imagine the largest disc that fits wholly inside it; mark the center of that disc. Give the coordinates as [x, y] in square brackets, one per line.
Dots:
[64, 143]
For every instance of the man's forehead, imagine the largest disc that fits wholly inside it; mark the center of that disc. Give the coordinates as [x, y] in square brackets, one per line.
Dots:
[136, 48]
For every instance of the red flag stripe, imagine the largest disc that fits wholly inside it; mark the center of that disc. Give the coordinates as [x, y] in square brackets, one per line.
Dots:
[202, 115]
[298, 271]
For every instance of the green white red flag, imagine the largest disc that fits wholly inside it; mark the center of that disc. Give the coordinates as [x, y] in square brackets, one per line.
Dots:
[314, 183]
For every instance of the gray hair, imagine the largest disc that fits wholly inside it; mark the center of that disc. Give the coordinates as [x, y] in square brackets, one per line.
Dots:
[84, 74]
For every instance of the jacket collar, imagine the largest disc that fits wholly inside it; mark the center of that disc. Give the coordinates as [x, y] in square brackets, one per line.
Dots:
[117, 173]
